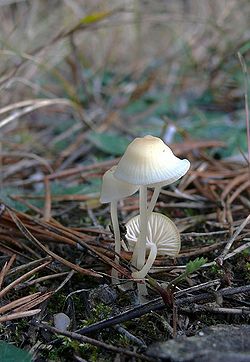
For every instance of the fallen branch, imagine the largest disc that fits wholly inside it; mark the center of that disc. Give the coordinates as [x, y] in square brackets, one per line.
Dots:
[94, 342]
[158, 304]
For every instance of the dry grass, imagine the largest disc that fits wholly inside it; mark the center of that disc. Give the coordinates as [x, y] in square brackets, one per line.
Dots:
[190, 41]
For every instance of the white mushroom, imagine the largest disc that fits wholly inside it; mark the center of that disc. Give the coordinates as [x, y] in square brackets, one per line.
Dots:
[148, 161]
[163, 238]
[112, 191]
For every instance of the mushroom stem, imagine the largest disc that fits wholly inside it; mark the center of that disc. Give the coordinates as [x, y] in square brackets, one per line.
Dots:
[135, 253]
[142, 292]
[116, 230]
[141, 243]
[153, 200]
[147, 266]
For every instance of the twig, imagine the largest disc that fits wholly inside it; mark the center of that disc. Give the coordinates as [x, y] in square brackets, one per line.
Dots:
[219, 260]
[222, 292]
[79, 359]
[195, 234]
[65, 281]
[40, 279]
[28, 265]
[195, 288]
[237, 250]
[158, 304]
[201, 250]
[130, 336]
[94, 342]
[125, 316]
[213, 309]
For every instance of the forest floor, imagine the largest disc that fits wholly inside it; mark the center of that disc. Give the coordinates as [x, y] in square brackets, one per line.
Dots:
[57, 254]
[66, 118]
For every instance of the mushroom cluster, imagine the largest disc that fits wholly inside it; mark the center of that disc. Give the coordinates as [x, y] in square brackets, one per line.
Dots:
[147, 162]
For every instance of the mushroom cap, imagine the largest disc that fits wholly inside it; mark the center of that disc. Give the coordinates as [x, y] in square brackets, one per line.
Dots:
[161, 231]
[114, 189]
[148, 161]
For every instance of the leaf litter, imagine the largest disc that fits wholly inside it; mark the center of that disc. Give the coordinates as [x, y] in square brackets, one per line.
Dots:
[56, 252]
[45, 253]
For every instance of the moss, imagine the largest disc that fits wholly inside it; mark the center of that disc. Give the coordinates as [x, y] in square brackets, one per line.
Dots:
[99, 312]
[16, 332]
[150, 328]
[56, 303]
[248, 271]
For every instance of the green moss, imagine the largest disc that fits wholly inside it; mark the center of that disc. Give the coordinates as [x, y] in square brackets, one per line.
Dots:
[56, 303]
[99, 312]
[150, 328]
[248, 271]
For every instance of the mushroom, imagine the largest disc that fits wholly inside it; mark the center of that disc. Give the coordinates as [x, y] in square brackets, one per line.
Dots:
[148, 162]
[163, 238]
[112, 191]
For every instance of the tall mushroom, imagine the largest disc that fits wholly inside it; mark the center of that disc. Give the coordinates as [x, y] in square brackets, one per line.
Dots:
[148, 162]
[163, 238]
[112, 191]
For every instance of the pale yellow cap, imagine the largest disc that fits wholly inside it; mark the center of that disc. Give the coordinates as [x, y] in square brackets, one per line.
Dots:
[161, 231]
[148, 161]
[114, 189]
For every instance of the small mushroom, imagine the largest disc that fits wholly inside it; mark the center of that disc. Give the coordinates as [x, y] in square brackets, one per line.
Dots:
[112, 191]
[163, 238]
[148, 162]
[61, 321]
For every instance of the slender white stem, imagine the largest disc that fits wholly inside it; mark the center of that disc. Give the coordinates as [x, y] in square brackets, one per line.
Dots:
[150, 261]
[151, 206]
[116, 230]
[142, 291]
[141, 242]
[134, 255]
[134, 259]
[153, 200]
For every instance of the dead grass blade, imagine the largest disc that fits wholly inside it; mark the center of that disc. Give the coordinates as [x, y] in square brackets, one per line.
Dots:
[18, 315]
[16, 303]
[221, 257]
[244, 186]
[14, 169]
[58, 232]
[34, 241]
[33, 303]
[21, 278]
[47, 203]
[232, 184]
[36, 105]
[33, 263]
[6, 268]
